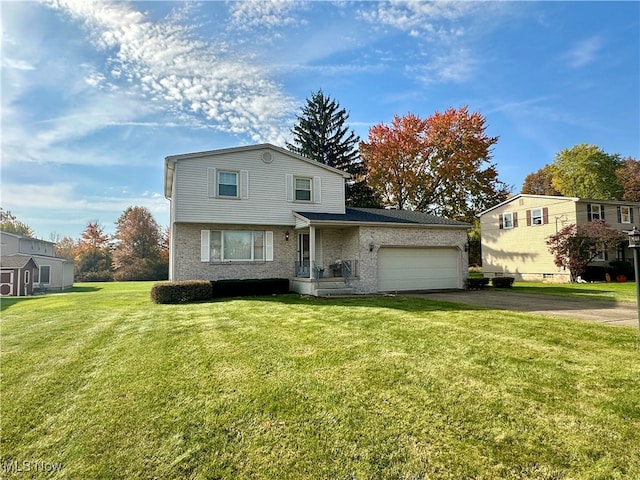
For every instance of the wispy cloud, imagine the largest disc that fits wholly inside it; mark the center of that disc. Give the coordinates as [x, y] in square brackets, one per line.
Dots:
[191, 77]
[65, 206]
[584, 52]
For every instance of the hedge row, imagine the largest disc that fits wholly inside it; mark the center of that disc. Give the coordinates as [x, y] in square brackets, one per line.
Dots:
[199, 290]
[480, 283]
[502, 282]
[476, 283]
[249, 287]
[181, 292]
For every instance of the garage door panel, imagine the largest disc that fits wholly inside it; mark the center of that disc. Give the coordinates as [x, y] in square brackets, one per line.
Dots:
[417, 269]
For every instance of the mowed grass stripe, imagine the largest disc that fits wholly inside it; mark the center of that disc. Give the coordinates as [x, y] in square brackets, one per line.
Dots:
[113, 386]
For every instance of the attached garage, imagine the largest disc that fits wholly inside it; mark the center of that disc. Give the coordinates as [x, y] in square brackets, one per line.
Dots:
[404, 269]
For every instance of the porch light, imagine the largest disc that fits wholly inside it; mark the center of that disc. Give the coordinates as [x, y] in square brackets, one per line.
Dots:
[634, 244]
[286, 235]
[371, 245]
[634, 238]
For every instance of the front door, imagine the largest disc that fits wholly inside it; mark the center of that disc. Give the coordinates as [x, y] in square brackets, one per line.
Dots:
[303, 255]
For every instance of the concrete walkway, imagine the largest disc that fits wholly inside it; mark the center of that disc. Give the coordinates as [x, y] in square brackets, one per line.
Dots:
[602, 312]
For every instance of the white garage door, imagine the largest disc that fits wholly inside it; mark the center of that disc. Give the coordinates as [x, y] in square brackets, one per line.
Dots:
[417, 269]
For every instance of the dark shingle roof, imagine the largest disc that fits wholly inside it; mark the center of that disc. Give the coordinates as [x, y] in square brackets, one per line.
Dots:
[15, 261]
[378, 215]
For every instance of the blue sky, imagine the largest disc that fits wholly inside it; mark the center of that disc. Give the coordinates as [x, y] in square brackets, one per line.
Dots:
[95, 95]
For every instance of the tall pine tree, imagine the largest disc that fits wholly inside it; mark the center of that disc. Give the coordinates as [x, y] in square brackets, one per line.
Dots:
[322, 135]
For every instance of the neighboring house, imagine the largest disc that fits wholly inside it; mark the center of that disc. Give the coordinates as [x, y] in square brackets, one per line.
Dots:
[514, 233]
[51, 273]
[263, 212]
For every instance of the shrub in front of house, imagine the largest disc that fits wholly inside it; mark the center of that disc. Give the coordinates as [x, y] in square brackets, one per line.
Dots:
[181, 292]
[502, 282]
[249, 287]
[476, 283]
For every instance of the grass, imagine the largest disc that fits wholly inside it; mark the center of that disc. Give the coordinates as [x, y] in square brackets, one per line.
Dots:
[624, 292]
[103, 384]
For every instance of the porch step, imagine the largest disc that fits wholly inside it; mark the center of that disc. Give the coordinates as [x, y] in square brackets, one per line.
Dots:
[331, 287]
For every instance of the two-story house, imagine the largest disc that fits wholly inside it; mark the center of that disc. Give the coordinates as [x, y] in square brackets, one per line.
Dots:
[29, 263]
[514, 233]
[261, 211]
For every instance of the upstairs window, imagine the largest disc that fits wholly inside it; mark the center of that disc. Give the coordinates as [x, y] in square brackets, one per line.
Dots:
[303, 189]
[508, 220]
[595, 212]
[536, 216]
[625, 215]
[227, 184]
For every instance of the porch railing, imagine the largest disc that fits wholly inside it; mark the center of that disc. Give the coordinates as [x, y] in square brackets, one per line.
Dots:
[342, 269]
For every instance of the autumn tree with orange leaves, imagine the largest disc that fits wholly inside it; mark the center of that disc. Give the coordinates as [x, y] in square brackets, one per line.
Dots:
[439, 165]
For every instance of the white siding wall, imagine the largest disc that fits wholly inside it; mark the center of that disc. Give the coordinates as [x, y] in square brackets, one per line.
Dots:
[266, 198]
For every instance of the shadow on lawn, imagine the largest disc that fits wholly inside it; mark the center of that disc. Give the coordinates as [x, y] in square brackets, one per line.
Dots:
[7, 302]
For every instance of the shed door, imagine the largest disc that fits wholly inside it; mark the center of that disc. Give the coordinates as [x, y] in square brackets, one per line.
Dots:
[402, 269]
[6, 282]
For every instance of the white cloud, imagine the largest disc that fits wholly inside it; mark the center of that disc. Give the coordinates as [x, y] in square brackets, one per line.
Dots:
[189, 76]
[265, 14]
[584, 52]
[59, 207]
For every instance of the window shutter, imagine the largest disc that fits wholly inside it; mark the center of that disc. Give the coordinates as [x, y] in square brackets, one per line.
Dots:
[515, 219]
[244, 184]
[205, 245]
[211, 181]
[619, 214]
[268, 246]
[545, 216]
[500, 221]
[317, 189]
[289, 187]
[528, 218]
[589, 212]
[601, 212]
[631, 214]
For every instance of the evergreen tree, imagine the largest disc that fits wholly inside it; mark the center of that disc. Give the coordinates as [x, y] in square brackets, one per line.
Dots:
[322, 135]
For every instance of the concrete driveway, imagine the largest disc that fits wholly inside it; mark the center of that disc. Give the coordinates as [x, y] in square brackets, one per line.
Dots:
[602, 312]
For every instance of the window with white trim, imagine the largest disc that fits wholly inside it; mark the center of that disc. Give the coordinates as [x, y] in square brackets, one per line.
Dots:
[625, 215]
[536, 216]
[601, 257]
[237, 245]
[303, 186]
[508, 220]
[43, 275]
[227, 184]
[596, 212]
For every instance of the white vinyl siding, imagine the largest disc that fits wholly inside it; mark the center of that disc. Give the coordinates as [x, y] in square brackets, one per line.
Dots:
[236, 245]
[265, 190]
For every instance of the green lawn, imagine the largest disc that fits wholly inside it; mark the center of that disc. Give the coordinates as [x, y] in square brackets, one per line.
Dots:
[101, 383]
[613, 291]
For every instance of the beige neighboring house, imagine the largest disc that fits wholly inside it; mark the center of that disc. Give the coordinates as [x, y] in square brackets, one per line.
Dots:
[261, 211]
[514, 233]
[51, 273]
